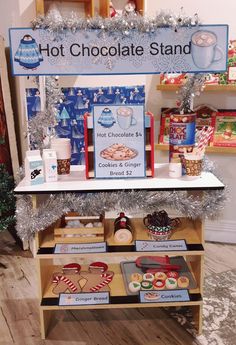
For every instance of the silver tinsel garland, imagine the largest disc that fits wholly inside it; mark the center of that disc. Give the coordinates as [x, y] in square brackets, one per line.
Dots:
[42, 121]
[118, 23]
[193, 87]
[29, 221]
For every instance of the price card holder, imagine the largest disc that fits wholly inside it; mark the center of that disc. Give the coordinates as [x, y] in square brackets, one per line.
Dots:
[80, 248]
[161, 246]
[163, 296]
[119, 141]
[81, 299]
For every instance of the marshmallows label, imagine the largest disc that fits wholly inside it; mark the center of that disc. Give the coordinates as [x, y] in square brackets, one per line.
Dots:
[154, 296]
[82, 248]
[201, 48]
[70, 299]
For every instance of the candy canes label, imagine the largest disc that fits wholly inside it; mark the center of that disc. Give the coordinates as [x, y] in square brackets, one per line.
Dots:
[68, 299]
[154, 296]
[119, 141]
[84, 248]
[162, 246]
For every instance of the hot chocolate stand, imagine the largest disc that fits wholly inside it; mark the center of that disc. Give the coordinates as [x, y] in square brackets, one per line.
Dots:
[84, 280]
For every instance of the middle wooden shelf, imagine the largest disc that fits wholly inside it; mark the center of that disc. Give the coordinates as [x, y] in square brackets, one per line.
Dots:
[190, 230]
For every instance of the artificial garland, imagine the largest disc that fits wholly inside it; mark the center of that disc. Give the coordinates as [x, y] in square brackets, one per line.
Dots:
[55, 24]
[208, 205]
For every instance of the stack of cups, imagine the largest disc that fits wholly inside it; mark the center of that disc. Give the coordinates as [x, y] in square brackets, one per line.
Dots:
[182, 136]
[62, 147]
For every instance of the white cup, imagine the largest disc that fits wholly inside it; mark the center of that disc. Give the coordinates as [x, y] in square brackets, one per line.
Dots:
[204, 48]
[125, 117]
[62, 147]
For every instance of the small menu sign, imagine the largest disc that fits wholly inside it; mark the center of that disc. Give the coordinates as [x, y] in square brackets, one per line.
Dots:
[73, 299]
[154, 296]
[80, 248]
[161, 246]
[119, 141]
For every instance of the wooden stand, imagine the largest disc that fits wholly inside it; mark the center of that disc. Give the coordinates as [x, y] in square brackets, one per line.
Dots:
[191, 231]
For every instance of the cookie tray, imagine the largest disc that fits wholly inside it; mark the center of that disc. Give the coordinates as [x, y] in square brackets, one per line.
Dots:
[129, 267]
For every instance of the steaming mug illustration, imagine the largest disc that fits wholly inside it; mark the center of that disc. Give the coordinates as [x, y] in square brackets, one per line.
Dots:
[204, 48]
[125, 117]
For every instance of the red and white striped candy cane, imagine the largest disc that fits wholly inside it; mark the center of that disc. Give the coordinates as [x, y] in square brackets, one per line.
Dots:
[67, 281]
[205, 135]
[108, 279]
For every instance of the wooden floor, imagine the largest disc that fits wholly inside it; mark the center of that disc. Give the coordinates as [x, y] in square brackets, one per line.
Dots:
[19, 319]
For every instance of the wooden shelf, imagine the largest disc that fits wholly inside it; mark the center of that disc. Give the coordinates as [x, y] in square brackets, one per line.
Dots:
[215, 88]
[190, 230]
[210, 149]
[42, 6]
[117, 288]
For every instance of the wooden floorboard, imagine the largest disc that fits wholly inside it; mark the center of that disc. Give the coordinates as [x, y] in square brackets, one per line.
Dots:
[19, 317]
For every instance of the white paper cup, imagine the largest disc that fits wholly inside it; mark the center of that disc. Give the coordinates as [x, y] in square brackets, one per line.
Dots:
[62, 147]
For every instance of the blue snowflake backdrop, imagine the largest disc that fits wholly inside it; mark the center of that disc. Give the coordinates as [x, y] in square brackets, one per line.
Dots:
[78, 101]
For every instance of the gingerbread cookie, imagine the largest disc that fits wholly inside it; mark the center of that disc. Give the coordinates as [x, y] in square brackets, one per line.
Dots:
[97, 278]
[67, 280]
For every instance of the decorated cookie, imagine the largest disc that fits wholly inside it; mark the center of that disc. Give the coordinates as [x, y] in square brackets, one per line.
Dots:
[159, 284]
[97, 278]
[149, 277]
[146, 285]
[136, 277]
[183, 282]
[172, 274]
[171, 283]
[134, 286]
[160, 276]
[67, 280]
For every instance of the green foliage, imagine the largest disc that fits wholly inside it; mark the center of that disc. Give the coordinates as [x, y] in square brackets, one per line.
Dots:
[7, 200]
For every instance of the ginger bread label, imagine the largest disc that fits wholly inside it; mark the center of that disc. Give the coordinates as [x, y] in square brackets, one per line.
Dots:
[71, 299]
[80, 248]
[119, 141]
[161, 246]
[154, 296]
[201, 48]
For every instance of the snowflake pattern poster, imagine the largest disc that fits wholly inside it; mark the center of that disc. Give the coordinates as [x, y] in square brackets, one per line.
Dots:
[77, 101]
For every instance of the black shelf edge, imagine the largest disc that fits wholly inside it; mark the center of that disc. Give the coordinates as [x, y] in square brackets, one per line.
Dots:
[54, 301]
[123, 249]
[118, 190]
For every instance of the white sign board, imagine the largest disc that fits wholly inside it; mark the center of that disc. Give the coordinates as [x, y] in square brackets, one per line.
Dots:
[119, 141]
[191, 49]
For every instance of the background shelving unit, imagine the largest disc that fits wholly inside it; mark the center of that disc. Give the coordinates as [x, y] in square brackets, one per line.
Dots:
[215, 88]
[42, 6]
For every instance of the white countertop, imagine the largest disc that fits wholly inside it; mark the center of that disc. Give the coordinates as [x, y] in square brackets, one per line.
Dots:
[76, 182]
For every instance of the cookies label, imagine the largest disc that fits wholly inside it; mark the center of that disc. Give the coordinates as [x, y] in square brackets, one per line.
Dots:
[119, 140]
[80, 248]
[154, 296]
[70, 299]
[161, 246]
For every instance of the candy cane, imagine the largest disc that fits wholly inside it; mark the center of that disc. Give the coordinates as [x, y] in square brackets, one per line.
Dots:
[205, 135]
[104, 283]
[67, 281]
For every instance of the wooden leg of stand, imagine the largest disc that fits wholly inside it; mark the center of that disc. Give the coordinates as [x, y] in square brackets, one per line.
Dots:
[45, 320]
[197, 317]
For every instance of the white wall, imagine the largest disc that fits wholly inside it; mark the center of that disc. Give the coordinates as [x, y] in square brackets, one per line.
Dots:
[21, 12]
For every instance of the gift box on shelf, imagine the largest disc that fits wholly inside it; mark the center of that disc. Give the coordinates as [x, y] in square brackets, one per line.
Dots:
[73, 228]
